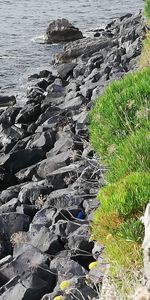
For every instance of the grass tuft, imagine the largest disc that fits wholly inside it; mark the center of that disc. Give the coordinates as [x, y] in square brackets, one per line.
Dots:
[123, 108]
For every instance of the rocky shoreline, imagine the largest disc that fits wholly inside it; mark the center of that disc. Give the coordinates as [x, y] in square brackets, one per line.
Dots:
[49, 174]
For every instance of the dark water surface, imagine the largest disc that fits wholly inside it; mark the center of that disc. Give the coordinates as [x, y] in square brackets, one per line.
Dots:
[24, 22]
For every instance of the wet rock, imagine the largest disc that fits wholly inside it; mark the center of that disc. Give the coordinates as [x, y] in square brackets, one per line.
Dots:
[62, 31]
[7, 100]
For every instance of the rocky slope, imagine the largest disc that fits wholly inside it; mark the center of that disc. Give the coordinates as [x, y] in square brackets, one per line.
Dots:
[49, 176]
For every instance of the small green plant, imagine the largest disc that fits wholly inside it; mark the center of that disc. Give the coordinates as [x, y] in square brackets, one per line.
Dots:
[123, 108]
[132, 230]
[126, 197]
[131, 155]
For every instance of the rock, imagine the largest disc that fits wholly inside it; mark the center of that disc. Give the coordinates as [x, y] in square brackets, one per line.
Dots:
[65, 70]
[86, 48]
[55, 89]
[73, 103]
[7, 118]
[11, 223]
[10, 135]
[34, 276]
[6, 180]
[63, 198]
[66, 268]
[32, 191]
[42, 140]
[13, 162]
[7, 100]
[62, 31]
[28, 114]
[63, 177]
[10, 193]
[10, 206]
[63, 144]
[42, 84]
[47, 166]
[35, 93]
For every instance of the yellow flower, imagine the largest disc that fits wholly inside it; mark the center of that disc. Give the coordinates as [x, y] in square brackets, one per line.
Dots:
[64, 285]
[92, 265]
[109, 237]
[58, 298]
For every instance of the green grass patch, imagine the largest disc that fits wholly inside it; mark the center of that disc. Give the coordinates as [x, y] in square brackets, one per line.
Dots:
[147, 9]
[132, 155]
[123, 108]
[127, 196]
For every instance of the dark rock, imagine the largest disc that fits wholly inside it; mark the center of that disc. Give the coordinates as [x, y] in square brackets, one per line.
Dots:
[47, 166]
[64, 176]
[65, 70]
[66, 268]
[55, 89]
[73, 103]
[63, 144]
[6, 180]
[11, 223]
[7, 100]
[10, 193]
[44, 140]
[10, 135]
[45, 74]
[13, 162]
[34, 276]
[9, 115]
[26, 174]
[62, 31]
[30, 192]
[42, 84]
[28, 114]
[10, 206]
[35, 93]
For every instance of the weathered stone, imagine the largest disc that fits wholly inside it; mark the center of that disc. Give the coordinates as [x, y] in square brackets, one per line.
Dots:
[62, 31]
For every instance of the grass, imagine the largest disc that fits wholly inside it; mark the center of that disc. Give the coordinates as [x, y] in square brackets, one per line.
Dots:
[147, 9]
[132, 155]
[123, 108]
[126, 197]
[119, 133]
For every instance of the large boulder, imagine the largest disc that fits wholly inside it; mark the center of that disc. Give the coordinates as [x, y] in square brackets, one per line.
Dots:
[62, 31]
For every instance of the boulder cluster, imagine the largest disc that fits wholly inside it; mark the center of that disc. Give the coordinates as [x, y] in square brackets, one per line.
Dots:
[49, 175]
